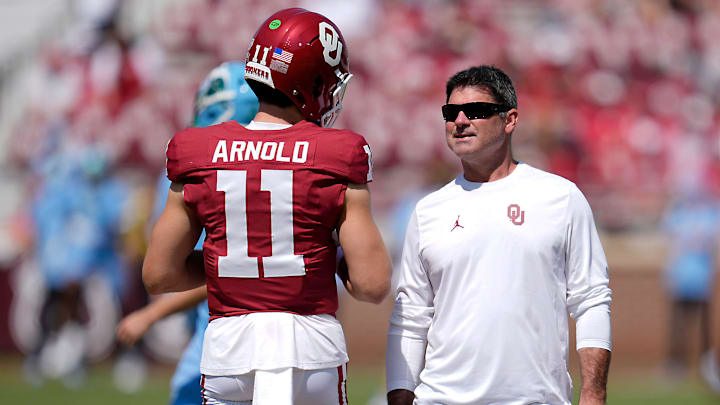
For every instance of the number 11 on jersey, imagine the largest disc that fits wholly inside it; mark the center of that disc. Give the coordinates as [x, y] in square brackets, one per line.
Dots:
[237, 263]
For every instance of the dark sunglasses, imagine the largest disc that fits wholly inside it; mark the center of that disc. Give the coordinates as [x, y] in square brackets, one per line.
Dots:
[473, 111]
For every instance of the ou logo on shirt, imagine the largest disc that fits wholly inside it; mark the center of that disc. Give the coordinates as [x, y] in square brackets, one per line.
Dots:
[330, 41]
[516, 215]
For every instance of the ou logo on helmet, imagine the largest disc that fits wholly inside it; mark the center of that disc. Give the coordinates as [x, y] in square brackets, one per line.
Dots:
[330, 41]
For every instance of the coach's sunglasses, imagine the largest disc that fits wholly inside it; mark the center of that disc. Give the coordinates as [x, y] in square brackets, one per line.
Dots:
[473, 111]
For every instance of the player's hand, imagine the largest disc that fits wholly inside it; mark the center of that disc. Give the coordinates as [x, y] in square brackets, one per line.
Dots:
[342, 267]
[133, 327]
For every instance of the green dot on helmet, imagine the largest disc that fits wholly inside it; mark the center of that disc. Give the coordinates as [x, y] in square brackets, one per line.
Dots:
[274, 24]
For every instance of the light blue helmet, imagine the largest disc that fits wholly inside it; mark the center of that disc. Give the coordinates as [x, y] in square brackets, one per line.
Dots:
[224, 95]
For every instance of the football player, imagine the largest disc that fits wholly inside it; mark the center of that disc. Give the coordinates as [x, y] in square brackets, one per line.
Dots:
[270, 196]
[223, 95]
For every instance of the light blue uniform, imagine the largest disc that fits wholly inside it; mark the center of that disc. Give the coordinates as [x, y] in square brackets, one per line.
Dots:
[692, 224]
[77, 213]
[185, 384]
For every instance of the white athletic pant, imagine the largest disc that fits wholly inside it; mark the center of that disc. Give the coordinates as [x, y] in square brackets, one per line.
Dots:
[287, 386]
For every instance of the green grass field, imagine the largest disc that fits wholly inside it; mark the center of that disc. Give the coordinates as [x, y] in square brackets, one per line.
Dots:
[363, 383]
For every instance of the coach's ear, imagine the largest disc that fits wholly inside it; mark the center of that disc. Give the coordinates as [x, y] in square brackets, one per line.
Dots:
[511, 118]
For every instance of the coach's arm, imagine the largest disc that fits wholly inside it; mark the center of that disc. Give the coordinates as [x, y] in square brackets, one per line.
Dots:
[409, 323]
[170, 263]
[588, 299]
[594, 367]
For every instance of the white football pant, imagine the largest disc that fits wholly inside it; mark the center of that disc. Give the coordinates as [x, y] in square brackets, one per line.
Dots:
[287, 386]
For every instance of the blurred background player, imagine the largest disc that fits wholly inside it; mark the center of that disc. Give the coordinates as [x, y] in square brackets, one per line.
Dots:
[76, 212]
[692, 228]
[710, 361]
[224, 95]
[270, 196]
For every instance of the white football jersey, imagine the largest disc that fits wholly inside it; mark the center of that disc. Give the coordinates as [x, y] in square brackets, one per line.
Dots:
[488, 274]
[236, 345]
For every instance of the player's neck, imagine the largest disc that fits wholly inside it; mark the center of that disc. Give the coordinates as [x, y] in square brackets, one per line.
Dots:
[278, 115]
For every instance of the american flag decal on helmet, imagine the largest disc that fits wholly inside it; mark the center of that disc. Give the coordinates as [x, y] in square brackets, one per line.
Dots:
[282, 55]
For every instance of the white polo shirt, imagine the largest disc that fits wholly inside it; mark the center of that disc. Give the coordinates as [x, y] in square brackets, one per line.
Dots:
[489, 272]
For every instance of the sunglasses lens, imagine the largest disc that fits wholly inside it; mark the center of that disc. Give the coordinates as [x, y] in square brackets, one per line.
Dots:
[476, 111]
[473, 111]
[449, 113]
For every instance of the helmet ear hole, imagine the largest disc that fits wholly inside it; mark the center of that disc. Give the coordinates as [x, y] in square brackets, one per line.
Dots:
[317, 87]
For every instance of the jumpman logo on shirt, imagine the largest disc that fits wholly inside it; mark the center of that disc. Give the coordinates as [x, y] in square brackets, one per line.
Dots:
[457, 224]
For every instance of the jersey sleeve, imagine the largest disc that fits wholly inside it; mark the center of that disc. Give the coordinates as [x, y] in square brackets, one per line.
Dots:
[183, 153]
[348, 155]
[360, 167]
[588, 294]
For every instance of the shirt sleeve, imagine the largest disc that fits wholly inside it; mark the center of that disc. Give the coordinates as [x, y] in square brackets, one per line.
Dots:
[411, 316]
[588, 294]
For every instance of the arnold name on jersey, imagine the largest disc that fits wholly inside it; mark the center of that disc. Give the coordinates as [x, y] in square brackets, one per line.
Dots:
[238, 151]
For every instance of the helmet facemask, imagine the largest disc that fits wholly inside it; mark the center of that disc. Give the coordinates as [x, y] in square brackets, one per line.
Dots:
[328, 118]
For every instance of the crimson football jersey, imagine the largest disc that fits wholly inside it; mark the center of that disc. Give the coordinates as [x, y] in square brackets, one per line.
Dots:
[269, 201]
